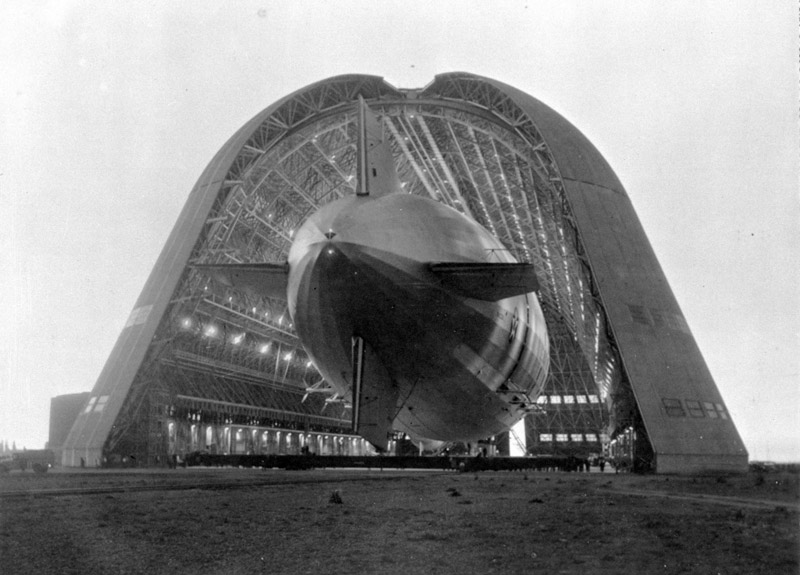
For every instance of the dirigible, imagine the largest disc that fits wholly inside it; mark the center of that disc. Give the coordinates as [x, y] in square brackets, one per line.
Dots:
[409, 308]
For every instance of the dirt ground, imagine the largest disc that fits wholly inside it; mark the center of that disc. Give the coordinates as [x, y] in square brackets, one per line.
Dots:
[237, 521]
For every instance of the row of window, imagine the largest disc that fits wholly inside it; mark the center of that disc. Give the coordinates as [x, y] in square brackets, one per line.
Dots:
[658, 318]
[565, 437]
[96, 404]
[217, 439]
[139, 315]
[677, 408]
[559, 399]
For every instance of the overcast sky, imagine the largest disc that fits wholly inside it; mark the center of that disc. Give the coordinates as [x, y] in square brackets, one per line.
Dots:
[110, 112]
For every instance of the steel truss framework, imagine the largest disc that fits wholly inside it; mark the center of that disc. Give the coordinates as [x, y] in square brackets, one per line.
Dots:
[222, 354]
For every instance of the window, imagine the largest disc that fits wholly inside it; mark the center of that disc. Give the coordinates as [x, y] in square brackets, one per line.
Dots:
[576, 437]
[545, 437]
[593, 399]
[639, 314]
[101, 403]
[569, 399]
[679, 322]
[660, 318]
[710, 411]
[673, 407]
[591, 437]
[562, 437]
[581, 398]
[139, 315]
[721, 410]
[555, 399]
[90, 405]
[541, 400]
[695, 409]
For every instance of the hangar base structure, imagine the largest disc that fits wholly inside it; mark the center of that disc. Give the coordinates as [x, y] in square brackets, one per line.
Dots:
[201, 367]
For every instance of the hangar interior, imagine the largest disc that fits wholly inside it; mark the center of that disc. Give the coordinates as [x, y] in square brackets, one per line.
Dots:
[202, 366]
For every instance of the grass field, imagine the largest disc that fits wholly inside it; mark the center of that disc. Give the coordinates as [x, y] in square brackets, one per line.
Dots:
[339, 521]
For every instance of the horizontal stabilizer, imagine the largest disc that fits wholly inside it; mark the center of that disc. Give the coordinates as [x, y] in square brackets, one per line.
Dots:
[486, 281]
[263, 280]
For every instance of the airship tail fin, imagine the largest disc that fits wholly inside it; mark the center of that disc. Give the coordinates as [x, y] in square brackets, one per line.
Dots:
[377, 174]
[486, 281]
[374, 396]
[258, 279]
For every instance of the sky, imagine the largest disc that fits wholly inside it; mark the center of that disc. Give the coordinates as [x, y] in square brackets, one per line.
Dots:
[110, 112]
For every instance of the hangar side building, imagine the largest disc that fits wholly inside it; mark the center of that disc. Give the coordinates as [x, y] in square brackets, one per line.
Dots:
[200, 366]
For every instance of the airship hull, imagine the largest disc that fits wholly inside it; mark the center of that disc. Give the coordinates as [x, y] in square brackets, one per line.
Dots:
[443, 366]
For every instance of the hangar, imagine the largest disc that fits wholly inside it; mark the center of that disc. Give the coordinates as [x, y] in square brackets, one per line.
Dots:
[199, 365]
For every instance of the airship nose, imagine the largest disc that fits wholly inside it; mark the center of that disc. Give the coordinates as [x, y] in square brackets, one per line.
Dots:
[326, 263]
[334, 260]
[326, 280]
[329, 248]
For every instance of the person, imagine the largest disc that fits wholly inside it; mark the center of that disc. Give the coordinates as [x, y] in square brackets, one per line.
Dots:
[602, 464]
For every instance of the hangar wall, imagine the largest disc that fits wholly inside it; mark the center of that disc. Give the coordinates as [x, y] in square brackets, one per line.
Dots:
[679, 407]
[64, 409]
[684, 414]
[115, 387]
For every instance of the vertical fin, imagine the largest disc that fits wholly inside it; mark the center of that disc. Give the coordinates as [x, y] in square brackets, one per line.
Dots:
[374, 396]
[358, 379]
[377, 174]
